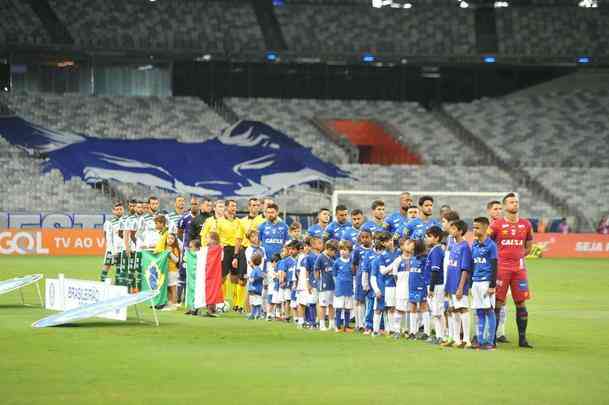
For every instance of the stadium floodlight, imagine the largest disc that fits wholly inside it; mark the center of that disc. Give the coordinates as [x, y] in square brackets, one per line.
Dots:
[501, 4]
[489, 59]
[407, 5]
[463, 4]
[583, 60]
[588, 4]
[271, 56]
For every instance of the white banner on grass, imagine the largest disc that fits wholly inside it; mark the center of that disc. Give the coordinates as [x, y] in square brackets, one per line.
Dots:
[63, 294]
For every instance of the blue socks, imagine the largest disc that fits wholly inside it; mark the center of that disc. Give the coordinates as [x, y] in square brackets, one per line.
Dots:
[491, 319]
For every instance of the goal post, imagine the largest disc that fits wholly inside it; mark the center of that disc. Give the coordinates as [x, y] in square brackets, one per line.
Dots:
[468, 203]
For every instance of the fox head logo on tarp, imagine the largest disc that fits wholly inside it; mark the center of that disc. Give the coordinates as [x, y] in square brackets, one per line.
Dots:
[248, 158]
[154, 276]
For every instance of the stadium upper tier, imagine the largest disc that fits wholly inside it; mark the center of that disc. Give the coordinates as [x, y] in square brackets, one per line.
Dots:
[567, 128]
[555, 31]
[419, 31]
[312, 27]
[223, 26]
[24, 187]
[183, 118]
[20, 24]
[412, 125]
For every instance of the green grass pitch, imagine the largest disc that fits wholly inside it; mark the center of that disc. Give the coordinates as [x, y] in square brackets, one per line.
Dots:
[234, 361]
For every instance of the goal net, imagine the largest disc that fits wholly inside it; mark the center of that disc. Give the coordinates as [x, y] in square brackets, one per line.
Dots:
[469, 204]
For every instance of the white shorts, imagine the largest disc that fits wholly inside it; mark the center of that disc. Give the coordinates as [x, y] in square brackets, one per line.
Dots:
[390, 297]
[436, 304]
[172, 278]
[312, 297]
[401, 287]
[480, 298]
[325, 298]
[255, 300]
[277, 297]
[343, 302]
[401, 304]
[287, 294]
[458, 304]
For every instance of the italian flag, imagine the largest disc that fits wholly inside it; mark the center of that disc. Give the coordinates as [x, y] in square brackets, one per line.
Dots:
[204, 277]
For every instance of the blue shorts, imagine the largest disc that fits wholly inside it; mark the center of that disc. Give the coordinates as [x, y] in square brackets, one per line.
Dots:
[417, 296]
[293, 296]
[359, 293]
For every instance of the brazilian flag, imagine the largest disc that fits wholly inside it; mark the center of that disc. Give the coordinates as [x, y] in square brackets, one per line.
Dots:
[154, 275]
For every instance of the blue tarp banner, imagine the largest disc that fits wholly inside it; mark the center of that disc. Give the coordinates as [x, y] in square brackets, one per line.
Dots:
[248, 159]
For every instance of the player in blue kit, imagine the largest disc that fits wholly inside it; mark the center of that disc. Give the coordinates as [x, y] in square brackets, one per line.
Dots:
[416, 228]
[484, 275]
[412, 215]
[366, 269]
[340, 224]
[286, 269]
[382, 281]
[255, 278]
[342, 270]
[273, 233]
[434, 268]
[417, 290]
[457, 283]
[351, 232]
[447, 218]
[315, 245]
[397, 220]
[319, 229]
[377, 223]
[361, 252]
[323, 270]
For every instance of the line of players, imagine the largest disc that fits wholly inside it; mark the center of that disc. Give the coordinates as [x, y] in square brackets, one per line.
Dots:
[128, 234]
[408, 267]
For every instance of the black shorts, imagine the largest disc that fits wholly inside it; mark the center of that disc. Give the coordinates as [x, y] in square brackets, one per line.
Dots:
[227, 261]
[242, 266]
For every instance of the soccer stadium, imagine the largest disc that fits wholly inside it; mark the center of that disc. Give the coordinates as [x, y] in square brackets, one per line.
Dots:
[304, 201]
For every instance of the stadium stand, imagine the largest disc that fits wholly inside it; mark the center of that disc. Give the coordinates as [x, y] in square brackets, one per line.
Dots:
[25, 188]
[411, 124]
[552, 31]
[221, 26]
[584, 187]
[351, 28]
[554, 129]
[182, 118]
[20, 25]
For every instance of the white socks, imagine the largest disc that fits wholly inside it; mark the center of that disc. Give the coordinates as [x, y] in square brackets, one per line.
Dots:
[439, 327]
[426, 323]
[414, 327]
[457, 327]
[465, 324]
[376, 322]
[450, 321]
[397, 322]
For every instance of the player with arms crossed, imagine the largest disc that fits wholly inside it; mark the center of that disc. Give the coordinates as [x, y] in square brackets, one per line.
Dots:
[514, 238]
